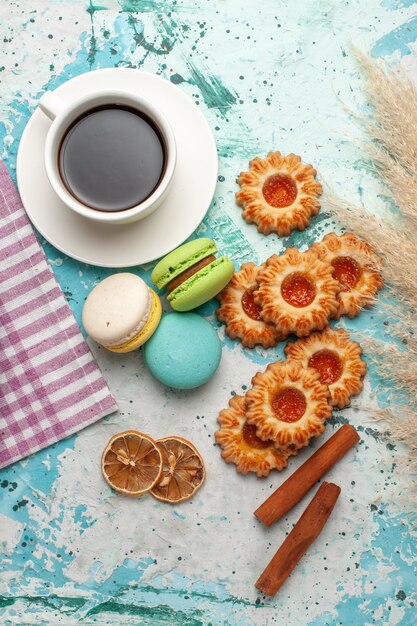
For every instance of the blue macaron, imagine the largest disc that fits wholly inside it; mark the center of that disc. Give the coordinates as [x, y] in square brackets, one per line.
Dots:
[184, 352]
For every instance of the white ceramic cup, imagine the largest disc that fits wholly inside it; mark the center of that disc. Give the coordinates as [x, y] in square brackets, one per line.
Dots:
[63, 114]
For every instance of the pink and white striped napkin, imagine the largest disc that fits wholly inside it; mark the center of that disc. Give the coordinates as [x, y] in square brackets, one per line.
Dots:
[50, 384]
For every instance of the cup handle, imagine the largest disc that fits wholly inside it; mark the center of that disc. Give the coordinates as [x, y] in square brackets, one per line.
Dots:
[51, 104]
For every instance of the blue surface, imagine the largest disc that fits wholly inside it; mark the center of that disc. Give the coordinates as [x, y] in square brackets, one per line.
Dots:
[270, 75]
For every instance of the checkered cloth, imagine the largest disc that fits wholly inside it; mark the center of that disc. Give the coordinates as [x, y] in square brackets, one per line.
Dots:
[50, 384]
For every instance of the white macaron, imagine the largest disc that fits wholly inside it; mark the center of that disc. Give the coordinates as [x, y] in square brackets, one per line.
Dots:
[121, 312]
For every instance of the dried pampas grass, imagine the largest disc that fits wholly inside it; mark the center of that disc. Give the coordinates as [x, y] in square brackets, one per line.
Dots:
[397, 251]
[395, 364]
[391, 147]
[394, 108]
[403, 422]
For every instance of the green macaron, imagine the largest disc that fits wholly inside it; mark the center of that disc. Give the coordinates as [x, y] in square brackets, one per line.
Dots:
[192, 274]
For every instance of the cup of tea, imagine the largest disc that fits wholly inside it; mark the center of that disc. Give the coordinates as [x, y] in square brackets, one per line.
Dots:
[110, 155]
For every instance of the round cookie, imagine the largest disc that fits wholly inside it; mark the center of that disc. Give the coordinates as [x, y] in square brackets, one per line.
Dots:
[184, 352]
[121, 312]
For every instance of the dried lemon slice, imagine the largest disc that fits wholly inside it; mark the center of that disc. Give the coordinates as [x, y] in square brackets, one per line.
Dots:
[131, 463]
[183, 470]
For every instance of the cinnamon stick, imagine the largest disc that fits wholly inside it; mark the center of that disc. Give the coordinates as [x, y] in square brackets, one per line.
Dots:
[301, 481]
[306, 530]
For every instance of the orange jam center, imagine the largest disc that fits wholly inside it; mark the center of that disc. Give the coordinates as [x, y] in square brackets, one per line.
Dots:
[289, 404]
[252, 439]
[346, 271]
[279, 190]
[328, 365]
[298, 290]
[249, 305]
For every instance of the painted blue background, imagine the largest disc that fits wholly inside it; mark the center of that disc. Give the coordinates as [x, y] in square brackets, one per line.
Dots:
[267, 75]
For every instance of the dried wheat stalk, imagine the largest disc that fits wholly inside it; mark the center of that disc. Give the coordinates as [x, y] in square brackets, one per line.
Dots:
[392, 151]
[394, 103]
[394, 363]
[400, 184]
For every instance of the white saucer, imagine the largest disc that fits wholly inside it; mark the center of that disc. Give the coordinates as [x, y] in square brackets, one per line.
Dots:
[148, 239]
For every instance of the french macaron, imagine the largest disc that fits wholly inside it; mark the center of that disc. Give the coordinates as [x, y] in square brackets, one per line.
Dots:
[184, 352]
[192, 274]
[121, 312]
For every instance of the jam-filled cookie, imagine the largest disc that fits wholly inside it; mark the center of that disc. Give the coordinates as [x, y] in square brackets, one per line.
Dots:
[355, 266]
[279, 193]
[241, 445]
[288, 404]
[337, 360]
[296, 292]
[241, 314]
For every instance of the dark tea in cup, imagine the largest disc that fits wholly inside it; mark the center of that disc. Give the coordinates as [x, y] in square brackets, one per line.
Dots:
[112, 158]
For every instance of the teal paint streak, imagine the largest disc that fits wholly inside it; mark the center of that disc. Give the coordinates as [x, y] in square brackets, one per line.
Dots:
[150, 614]
[214, 593]
[65, 605]
[148, 602]
[95, 7]
[152, 6]
[215, 94]
[176, 79]
[166, 28]
[398, 39]
[93, 41]
[182, 593]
